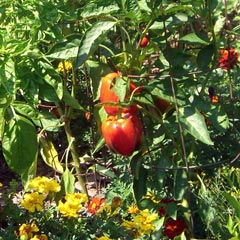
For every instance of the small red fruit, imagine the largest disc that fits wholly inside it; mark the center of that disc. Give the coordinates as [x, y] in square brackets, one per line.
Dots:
[145, 41]
[122, 135]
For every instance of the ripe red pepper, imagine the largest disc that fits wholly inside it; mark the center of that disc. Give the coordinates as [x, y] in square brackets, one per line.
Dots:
[145, 41]
[108, 95]
[122, 135]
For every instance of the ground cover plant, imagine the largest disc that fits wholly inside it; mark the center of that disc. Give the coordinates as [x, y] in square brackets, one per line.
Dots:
[119, 119]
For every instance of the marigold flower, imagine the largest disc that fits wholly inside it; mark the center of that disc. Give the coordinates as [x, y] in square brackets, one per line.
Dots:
[33, 201]
[95, 204]
[145, 221]
[133, 209]
[228, 58]
[40, 237]
[44, 185]
[26, 230]
[72, 204]
[142, 223]
[65, 66]
[174, 228]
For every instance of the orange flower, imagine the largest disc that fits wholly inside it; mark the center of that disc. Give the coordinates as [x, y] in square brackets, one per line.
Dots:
[214, 99]
[95, 204]
[174, 228]
[228, 59]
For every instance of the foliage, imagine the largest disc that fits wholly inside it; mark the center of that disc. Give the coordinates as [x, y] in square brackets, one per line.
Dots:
[53, 57]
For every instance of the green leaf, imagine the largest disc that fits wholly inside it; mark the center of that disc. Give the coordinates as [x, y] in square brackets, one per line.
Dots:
[180, 185]
[194, 123]
[66, 50]
[120, 88]
[99, 8]
[68, 181]
[25, 110]
[71, 101]
[105, 171]
[139, 179]
[192, 38]
[233, 202]
[205, 56]
[92, 39]
[219, 25]
[20, 147]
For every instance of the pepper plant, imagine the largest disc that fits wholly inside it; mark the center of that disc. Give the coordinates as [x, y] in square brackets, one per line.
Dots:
[53, 58]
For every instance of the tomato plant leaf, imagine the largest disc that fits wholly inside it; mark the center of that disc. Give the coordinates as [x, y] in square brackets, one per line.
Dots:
[194, 124]
[19, 144]
[92, 39]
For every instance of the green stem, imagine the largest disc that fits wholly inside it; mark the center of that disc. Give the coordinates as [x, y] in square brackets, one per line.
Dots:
[70, 138]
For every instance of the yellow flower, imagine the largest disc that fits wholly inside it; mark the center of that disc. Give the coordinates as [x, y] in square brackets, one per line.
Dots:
[151, 195]
[40, 237]
[44, 185]
[72, 204]
[142, 223]
[26, 230]
[103, 238]
[133, 209]
[33, 201]
[65, 66]
[1, 185]
[145, 221]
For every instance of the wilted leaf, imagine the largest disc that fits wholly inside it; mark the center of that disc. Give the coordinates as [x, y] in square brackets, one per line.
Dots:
[50, 155]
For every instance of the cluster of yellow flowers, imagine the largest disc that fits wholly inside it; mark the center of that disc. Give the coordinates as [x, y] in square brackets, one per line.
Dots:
[26, 232]
[72, 204]
[41, 187]
[142, 222]
[65, 67]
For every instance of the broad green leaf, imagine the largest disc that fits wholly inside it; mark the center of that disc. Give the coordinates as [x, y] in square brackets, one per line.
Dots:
[94, 9]
[66, 50]
[25, 110]
[194, 123]
[50, 155]
[192, 38]
[19, 143]
[47, 121]
[92, 39]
